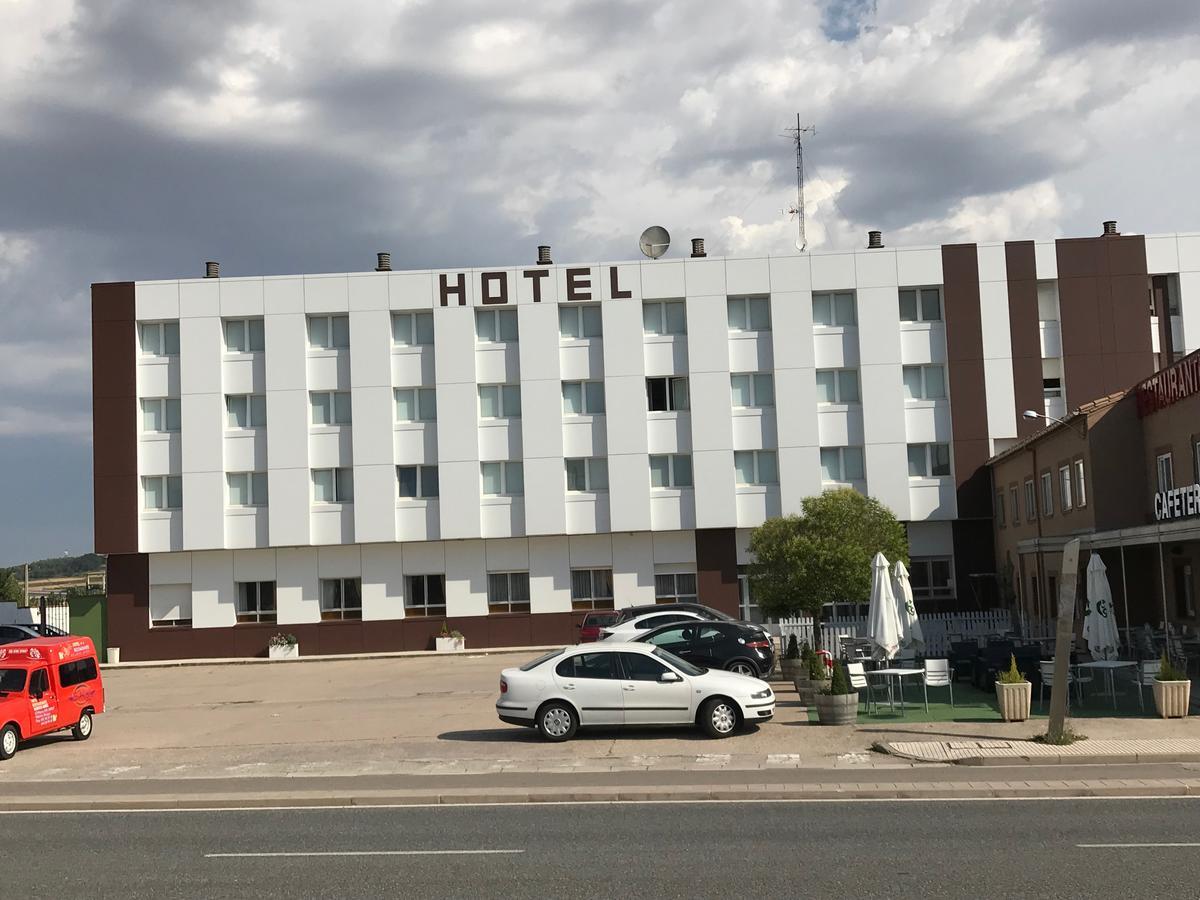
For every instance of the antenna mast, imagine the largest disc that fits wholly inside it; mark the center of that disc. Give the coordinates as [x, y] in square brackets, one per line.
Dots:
[797, 135]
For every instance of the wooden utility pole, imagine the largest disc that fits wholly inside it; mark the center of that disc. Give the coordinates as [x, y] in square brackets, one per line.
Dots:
[1060, 691]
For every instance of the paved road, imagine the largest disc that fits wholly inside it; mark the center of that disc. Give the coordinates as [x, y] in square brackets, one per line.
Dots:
[860, 850]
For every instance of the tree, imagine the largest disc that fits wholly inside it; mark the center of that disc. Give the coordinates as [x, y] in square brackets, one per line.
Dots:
[823, 555]
[11, 590]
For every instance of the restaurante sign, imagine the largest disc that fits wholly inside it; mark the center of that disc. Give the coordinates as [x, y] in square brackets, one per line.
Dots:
[1180, 503]
[1169, 386]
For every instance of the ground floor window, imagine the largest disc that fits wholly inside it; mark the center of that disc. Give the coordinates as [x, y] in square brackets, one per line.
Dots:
[255, 601]
[591, 589]
[675, 587]
[932, 577]
[508, 592]
[341, 598]
[748, 610]
[425, 595]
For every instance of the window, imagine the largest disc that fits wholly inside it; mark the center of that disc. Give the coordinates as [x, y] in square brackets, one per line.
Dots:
[508, 592]
[495, 325]
[159, 338]
[1047, 495]
[924, 382]
[499, 401]
[837, 386]
[1015, 504]
[244, 336]
[330, 407]
[932, 578]
[255, 601]
[667, 394]
[245, 410]
[579, 321]
[842, 464]
[834, 309]
[1030, 501]
[416, 404]
[749, 313]
[417, 481]
[412, 329]
[426, 595]
[583, 398]
[753, 390]
[664, 317]
[928, 460]
[748, 610]
[587, 474]
[162, 492]
[674, 471]
[160, 414]
[1165, 464]
[589, 665]
[1051, 388]
[341, 598]
[920, 304]
[756, 467]
[328, 332]
[675, 587]
[247, 488]
[1000, 509]
[1195, 462]
[502, 478]
[639, 667]
[333, 485]
[591, 589]
[1064, 488]
[77, 672]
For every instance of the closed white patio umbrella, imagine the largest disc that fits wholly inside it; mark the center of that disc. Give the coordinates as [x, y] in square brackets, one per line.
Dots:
[1099, 622]
[911, 636]
[883, 619]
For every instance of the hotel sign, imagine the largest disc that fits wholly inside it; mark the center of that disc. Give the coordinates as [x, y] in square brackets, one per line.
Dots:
[1169, 386]
[1180, 503]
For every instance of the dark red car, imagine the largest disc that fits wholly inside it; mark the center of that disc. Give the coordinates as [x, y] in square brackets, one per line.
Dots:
[593, 622]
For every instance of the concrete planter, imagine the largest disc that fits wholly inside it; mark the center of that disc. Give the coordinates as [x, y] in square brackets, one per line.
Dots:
[837, 709]
[449, 644]
[1014, 700]
[284, 651]
[1171, 698]
[807, 690]
[789, 668]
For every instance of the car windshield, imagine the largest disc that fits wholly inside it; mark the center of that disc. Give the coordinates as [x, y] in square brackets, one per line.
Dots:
[601, 619]
[681, 664]
[12, 680]
[534, 663]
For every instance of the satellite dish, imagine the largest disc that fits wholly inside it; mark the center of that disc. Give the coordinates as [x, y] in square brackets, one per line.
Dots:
[654, 241]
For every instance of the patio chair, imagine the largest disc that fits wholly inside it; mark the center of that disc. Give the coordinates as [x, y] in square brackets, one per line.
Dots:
[859, 681]
[1046, 669]
[1175, 647]
[1147, 670]
[938, 674]
[962, 658]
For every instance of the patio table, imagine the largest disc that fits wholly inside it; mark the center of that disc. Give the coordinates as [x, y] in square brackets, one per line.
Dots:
[1109, 667]
[898, 674]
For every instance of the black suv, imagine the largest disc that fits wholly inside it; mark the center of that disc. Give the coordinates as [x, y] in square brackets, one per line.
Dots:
[705, 612]
[734, 646]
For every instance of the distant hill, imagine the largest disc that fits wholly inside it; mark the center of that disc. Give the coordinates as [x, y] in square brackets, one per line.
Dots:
[61, 567]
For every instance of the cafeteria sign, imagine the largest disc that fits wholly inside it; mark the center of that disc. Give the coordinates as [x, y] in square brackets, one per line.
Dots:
[1180, 503]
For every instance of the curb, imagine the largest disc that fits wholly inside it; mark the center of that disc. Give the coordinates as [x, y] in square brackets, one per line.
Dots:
[330, 657]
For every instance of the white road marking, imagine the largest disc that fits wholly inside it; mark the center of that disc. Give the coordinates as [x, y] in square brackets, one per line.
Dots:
[290, 854]
[1131, 846]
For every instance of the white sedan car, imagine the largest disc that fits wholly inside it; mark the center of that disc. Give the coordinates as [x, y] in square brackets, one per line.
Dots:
[627, 684]
[633, 628]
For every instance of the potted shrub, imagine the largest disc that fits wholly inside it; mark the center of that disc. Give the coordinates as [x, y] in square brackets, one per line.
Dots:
[812, 678]
[838, 703]
[1172, 691]
[1013, 693]
[789, 666]
[449, 641]
[283, 646]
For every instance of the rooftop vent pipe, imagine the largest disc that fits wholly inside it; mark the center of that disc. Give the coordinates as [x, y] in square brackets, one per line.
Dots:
[212, 269]
[544, 255]
[874, 240]
[385, 262]
[1110, 227]
[698, 248]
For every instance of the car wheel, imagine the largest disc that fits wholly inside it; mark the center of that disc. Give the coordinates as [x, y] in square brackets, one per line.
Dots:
[83, 729]
[8, 741]
[743, 667]
[719, 717]
[557, 722]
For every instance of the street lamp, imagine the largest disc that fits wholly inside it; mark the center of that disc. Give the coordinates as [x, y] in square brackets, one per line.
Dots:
[1034, 414]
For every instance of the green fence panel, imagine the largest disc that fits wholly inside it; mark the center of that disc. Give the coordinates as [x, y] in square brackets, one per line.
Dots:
[88, 619]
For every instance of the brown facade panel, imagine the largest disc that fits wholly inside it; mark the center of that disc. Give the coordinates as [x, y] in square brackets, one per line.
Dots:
[1024, 332]
[114, 418]
[716, 568]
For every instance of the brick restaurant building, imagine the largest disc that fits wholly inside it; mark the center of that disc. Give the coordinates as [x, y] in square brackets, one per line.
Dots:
[355, 458]
[1123, 474]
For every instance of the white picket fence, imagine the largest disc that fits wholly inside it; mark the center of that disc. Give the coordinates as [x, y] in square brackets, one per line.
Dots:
[938, 628]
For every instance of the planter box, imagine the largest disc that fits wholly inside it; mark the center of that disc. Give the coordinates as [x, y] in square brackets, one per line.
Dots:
[807, 690]
[789, 668]
[1171, 698]
[287, 651]
[1014, 700]
[449, 644]
[839, 709]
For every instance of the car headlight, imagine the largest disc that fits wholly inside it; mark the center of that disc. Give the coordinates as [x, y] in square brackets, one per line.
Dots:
[761, 695]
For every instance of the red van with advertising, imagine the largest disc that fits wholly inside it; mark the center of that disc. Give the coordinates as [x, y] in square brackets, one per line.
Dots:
[48, 684]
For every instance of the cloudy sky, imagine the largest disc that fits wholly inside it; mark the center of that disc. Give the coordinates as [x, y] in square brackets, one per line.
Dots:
[139, 139]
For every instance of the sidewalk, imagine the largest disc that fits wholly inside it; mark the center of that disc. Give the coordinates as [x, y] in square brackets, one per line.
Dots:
[996, 753]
